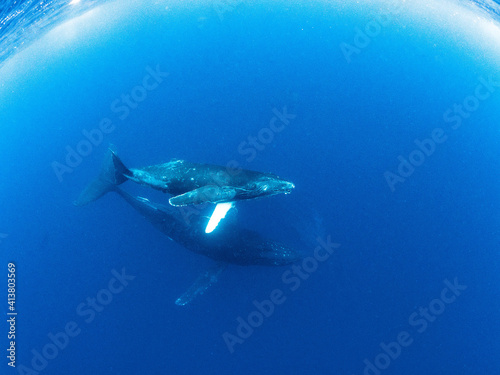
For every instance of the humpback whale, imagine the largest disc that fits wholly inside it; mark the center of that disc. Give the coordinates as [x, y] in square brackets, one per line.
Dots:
[192, 183]
[234, 245]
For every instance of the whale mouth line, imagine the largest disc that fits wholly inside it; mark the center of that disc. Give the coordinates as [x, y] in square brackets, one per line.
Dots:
[275, 187]
[288, 188]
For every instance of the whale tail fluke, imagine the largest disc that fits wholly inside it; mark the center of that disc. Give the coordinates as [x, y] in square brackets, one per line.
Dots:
[113, 173]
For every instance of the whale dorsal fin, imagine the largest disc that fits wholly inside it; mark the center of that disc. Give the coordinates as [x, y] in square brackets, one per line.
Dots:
[201, 284]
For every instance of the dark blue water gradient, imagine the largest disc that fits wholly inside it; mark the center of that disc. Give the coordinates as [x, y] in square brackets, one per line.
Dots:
[229, 70]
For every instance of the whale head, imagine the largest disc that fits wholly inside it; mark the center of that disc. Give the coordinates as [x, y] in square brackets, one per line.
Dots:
[271, 185]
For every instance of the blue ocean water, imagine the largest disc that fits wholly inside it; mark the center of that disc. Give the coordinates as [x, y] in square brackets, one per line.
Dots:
[385, 116]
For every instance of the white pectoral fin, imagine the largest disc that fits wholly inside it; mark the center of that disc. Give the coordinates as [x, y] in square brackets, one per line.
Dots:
[219, 213]
[204, 194]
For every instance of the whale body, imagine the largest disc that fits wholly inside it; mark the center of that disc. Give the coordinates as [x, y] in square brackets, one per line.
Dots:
[195, 183]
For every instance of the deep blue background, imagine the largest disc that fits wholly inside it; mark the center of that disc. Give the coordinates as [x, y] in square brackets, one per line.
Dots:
[352, 122]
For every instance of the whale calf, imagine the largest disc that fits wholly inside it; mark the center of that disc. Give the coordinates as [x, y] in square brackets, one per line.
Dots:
[190, 183]
[194, 183]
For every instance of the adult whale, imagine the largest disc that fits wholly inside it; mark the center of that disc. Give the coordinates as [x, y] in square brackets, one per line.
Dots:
[233, 245]
[191, 183]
